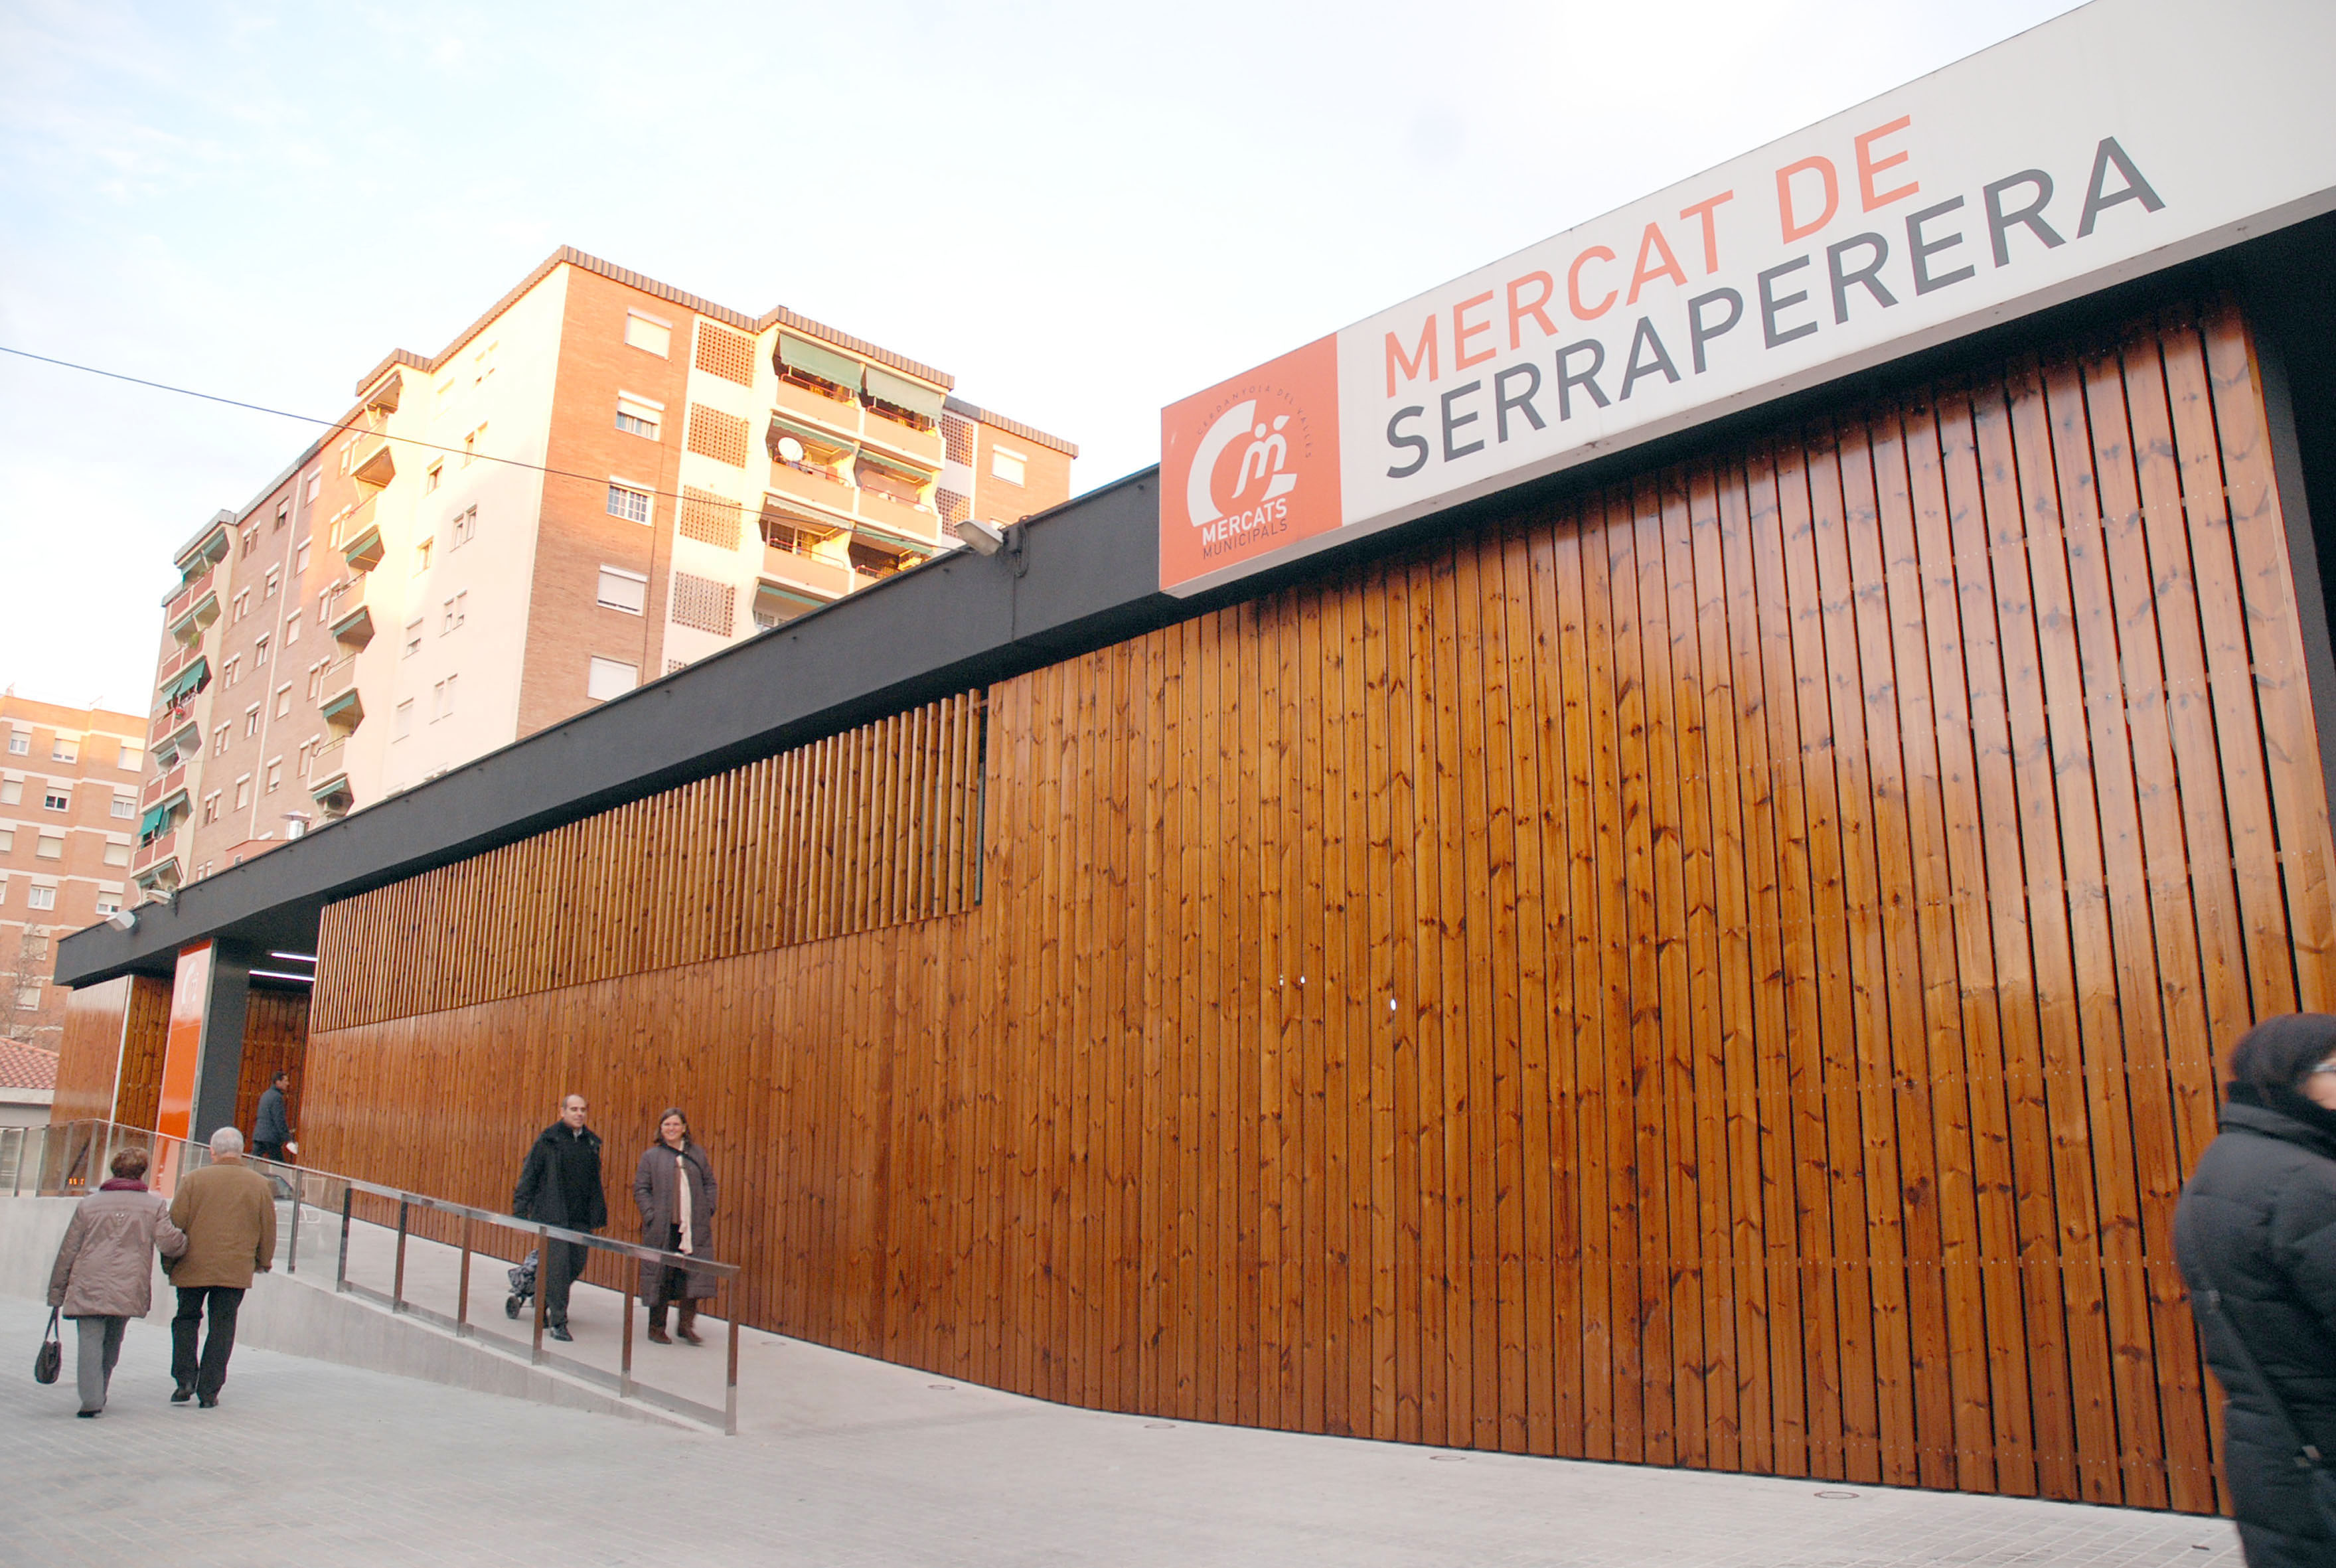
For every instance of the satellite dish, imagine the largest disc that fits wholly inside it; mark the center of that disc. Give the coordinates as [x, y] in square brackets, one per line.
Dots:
[790, 449]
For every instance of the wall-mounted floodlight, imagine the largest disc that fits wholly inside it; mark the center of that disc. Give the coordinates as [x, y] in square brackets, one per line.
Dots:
[980, 537]
[123, 920]
[992, 539]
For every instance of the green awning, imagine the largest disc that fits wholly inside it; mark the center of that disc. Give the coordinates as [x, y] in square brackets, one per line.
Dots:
[152, 819]
[812, 436]
[187, 679]
[891, 538]
[902, 392]
[915, 472]
[814, 359]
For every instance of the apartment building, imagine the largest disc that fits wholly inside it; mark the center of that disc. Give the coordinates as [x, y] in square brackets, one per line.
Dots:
[68, 786]
[600, 481]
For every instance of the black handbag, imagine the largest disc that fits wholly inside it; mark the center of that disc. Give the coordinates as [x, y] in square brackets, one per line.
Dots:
[51, 1357]
[2315, 1466]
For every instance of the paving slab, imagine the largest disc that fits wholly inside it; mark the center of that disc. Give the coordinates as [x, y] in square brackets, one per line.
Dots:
[855, 1462]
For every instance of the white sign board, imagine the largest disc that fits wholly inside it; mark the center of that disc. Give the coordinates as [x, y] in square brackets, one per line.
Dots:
[2123, 138]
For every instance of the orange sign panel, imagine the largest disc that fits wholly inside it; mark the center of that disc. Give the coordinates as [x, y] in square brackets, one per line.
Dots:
[1250, 467]
[190, 995]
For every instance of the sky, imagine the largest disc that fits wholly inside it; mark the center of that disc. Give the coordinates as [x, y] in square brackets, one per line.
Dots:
[1083, 212]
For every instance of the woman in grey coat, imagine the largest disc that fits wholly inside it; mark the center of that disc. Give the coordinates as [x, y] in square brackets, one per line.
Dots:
[105, 1272]
[674, 1188]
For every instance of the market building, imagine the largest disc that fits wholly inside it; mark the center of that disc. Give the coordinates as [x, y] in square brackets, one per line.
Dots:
[1647, 856]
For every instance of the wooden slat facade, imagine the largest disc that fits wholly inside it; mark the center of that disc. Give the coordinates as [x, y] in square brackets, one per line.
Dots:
[117, 1027]
[1723, 971]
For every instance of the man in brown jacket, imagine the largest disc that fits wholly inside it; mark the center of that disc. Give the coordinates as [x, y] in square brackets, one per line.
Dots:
[229, 1213]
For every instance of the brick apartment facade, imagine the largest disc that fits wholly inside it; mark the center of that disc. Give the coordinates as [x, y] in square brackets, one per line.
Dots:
[600, 481]
[69, 783]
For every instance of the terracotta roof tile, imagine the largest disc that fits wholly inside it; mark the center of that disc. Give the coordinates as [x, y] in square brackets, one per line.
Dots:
[23, 1066]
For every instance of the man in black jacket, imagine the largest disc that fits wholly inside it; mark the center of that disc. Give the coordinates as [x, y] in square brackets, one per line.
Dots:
[560, 1185]
[2255, 1233]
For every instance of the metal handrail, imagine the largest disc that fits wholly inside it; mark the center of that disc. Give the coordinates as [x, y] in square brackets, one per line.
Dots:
[74, 1176]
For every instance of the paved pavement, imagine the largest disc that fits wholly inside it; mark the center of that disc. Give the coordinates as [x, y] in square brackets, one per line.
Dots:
[311, 1464]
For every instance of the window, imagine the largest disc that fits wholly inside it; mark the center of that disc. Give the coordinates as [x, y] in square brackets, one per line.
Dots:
[431, 475]
[220, 738]
[316, 677]
[348, 455]
[463, 528]
[412, 636]
[457, 611]
[283, 512]
[471, 445]
[251, 721]
[274, 774]
[108, 904]
[610, 678]
[242, 604]
[117, 855]
[422, 553]
[292, 628]
[251, 539]
[283, 700]
[20, 742]
[300, 556]
[125, 806]
[639, 415]
[275, 582]
[403, 725]
[7, 840]
[442, 699]
[622, 589]
[50, 847]
[60, 749]
[11, 791]
[648, 332]
[624, 501]
[41, 898]
[232, 669]
[1007, 466]
[260, 652]
[243, 792]
[56, 800]
[210, 807]
[315, 483]
[133, 756]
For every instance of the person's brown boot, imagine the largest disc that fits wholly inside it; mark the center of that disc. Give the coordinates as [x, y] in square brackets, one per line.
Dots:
[687, 1328]
[657, 1336]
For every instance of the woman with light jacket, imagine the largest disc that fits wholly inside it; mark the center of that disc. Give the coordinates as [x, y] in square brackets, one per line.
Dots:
[674, 1188]
[105, 1272]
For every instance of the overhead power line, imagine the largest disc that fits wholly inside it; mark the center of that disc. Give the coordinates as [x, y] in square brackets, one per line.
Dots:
[334, 425]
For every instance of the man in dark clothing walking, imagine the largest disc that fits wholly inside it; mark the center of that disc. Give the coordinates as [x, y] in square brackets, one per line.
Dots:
[271, 1130]
[560, 1185]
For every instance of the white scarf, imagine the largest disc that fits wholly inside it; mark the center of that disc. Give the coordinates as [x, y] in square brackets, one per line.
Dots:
[682, 1204]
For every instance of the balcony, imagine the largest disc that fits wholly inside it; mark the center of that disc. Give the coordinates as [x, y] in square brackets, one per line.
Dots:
[163, 786]
[174, 736]
[827, 495]
[840, 415]
[343, 708]
[156, 863]
[352, 623]
[923, 448]
[181, 677]
[806, 574]
[184, 596]
[328, 773]
[890, 520]
[375, 466]
[189, 626]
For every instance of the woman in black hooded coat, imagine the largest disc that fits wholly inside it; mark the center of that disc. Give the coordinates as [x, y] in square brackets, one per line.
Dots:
[2256, 1226]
